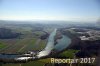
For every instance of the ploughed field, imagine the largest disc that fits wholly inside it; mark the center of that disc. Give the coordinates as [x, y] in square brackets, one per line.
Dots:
[29, 40]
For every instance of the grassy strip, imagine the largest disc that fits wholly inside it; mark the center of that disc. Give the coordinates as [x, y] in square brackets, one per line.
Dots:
[68, 53]
[40, 62]
[2, 45]
[30, 45]
[41, 45]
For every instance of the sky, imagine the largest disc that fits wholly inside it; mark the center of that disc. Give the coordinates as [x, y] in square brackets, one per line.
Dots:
[66, 10]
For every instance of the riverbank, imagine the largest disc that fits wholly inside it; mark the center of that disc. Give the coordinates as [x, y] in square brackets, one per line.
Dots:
[32, 55]
[74, 39]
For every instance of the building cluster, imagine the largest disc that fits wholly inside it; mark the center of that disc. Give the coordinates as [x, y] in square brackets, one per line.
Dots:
[93, 35]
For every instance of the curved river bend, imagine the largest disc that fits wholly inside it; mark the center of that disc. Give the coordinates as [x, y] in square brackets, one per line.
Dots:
[50, 45]
[62, 44]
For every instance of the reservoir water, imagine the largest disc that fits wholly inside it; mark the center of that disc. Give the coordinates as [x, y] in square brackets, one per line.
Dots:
[9, 56]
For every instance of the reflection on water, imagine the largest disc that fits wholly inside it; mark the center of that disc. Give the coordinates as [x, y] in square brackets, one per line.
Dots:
[62, 43]
[8, 56]
[50, 45]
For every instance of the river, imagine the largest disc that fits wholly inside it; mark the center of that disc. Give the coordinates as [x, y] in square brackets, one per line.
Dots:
[62, 44]
[50, 45]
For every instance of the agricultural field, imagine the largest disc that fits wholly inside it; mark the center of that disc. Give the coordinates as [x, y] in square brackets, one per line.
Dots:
[28, 40]
[2, 45]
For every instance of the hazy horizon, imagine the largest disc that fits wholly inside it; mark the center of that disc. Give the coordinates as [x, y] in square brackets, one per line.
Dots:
[50, 10]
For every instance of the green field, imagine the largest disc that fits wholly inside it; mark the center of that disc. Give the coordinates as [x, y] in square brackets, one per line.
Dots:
[22, 45]
[68, 53]
[29, 40]
[40, 62]
[2, 45]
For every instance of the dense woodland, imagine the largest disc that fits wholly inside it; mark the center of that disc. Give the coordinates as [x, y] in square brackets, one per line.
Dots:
[8, 34]
[87, 48]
